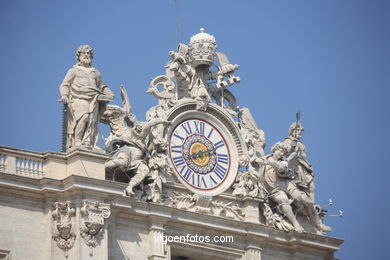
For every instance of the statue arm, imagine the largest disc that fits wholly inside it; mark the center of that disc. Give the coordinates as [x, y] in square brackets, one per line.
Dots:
[292, 156]
[299, 154]
[146, 128]
[280, 167]
[65, 85]
[106, 93]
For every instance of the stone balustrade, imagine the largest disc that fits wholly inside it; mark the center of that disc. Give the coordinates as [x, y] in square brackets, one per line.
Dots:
[21, 162]
[2, 162]
[29, 166]
[53, 165]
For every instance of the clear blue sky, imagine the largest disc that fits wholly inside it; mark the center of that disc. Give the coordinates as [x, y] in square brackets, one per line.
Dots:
[329, 59]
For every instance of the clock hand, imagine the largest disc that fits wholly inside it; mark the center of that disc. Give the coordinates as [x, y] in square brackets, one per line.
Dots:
[202, 153]
[209, 151]
[195, 155]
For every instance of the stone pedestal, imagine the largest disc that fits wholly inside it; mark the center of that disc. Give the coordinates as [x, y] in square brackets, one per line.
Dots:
[76, 161]
[86, 163]
[251, 206]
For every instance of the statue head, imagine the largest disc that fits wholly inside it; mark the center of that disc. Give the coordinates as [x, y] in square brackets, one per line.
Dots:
[84, 55]
[202, 49]
[296, 130]
[138, 127]
[93, 227]
[65, 230]
[279, 149]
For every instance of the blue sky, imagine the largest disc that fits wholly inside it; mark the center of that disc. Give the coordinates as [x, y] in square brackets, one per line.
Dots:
[329, 59]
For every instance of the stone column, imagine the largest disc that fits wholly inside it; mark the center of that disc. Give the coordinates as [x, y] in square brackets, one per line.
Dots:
[78, 247]
[156, 231]
[49, 242]
[252, 253]
[111, 234]
[253, 249]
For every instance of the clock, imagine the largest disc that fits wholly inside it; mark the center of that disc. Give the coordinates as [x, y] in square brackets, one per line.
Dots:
[202, 153]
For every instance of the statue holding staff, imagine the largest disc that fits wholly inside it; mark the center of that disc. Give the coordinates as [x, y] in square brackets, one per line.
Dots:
[86, 95]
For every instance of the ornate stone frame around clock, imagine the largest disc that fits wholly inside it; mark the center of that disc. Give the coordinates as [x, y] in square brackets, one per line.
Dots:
[186, 109]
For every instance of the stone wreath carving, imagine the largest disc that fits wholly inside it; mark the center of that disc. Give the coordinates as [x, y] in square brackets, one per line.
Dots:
[204, 204]
[63, 231]
[92, 223]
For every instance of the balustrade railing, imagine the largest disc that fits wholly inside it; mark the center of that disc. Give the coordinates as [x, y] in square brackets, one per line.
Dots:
[31, 167]
[24, 163]
[2, 162]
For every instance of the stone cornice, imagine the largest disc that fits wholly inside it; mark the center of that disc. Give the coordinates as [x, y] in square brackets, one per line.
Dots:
[112, 192]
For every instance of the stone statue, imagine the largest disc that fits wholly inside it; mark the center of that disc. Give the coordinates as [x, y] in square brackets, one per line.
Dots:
[247, 184]
[247, 181]
[166, 99]
[284, 189]
[275, 177]
[304, 176]
[128, 142]
[85, 94]
[253, 136]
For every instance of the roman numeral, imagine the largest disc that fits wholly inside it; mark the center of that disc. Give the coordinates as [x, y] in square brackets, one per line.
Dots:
[193, 179]
[208, 136]
[223, 158]
[219, 144]
[212, 179]
[220, 171]
[202, 182]
[178, 161]
[188, 173]
[178, 136]
[199, 127]
[186, 126]
[176, 149]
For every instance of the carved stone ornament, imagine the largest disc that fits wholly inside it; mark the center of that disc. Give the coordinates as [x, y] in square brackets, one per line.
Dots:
[137, 148]
[199, 137]
[205, 204]
[63, 230]
[287, 195]
[92, 222]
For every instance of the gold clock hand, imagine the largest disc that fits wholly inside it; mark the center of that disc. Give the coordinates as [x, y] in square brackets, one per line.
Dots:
[195, 155]
[201, 154]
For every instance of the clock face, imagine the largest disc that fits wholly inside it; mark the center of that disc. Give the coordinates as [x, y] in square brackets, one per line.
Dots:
[200, 155]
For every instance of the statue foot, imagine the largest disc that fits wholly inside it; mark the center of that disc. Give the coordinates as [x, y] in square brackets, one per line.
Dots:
[298, 228]
[98, 148]
[129, 191]
[324, 228]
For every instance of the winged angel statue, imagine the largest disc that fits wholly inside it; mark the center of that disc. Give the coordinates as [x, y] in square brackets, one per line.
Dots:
[128, 145]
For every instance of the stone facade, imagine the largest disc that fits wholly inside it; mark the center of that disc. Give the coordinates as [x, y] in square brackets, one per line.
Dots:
[191, 182]
[28, 203]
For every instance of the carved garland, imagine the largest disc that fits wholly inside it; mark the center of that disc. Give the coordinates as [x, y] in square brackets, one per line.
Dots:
[204, 204]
